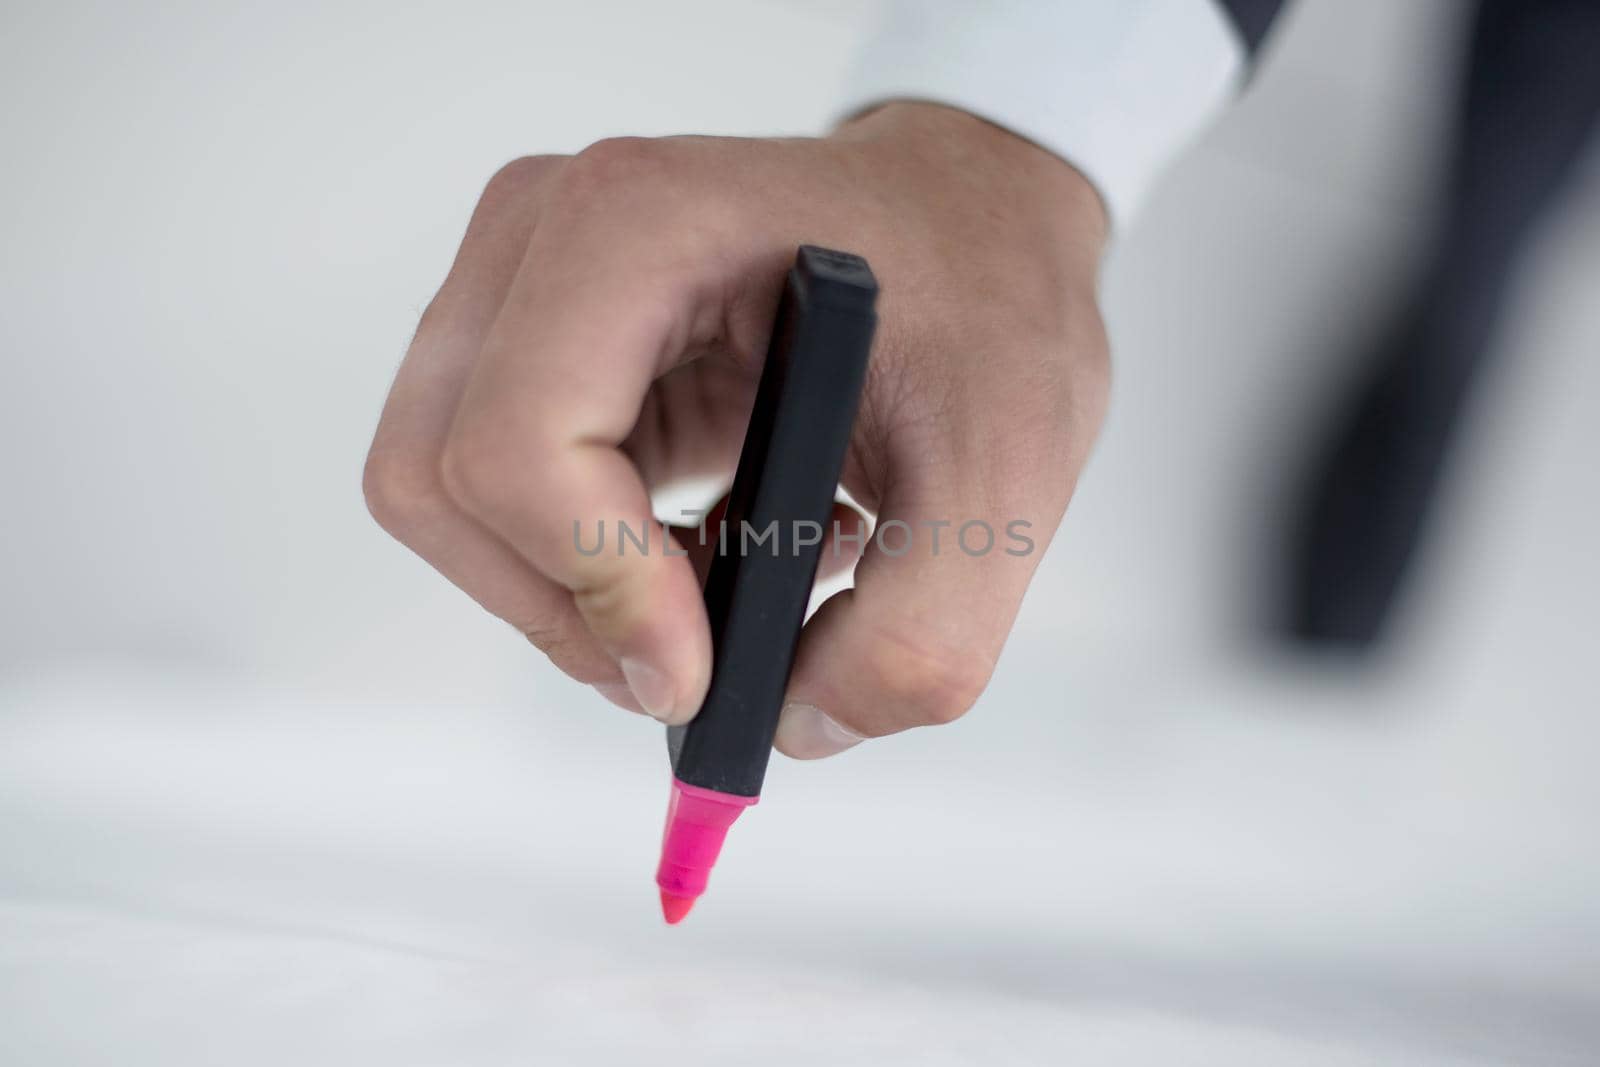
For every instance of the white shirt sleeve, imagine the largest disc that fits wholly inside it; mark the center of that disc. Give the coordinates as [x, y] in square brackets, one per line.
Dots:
[1115, 87]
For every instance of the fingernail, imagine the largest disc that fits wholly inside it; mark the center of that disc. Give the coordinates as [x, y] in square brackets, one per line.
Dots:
[651, 687]
[807, 732]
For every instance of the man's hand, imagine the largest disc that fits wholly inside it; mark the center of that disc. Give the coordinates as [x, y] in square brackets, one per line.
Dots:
[601, 333]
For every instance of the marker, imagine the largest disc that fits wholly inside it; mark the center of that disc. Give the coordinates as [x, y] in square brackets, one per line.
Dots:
[758, 585]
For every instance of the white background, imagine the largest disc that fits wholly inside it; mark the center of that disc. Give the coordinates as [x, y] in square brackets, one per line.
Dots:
[272, 792]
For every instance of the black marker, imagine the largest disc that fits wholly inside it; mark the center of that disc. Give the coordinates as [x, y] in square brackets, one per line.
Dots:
[759, 584]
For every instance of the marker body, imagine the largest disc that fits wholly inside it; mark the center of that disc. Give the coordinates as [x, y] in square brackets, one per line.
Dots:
[770, 544]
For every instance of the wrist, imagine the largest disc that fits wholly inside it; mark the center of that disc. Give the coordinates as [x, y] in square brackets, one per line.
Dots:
[948, 138]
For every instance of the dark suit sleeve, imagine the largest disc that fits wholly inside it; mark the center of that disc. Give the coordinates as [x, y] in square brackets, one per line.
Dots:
[1252, 18]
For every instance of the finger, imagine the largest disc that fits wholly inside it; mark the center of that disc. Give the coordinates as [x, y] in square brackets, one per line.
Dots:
[693, 421]
[915, 641]
[592, 319]
[700, 540]
[843, 538]
[402, 480]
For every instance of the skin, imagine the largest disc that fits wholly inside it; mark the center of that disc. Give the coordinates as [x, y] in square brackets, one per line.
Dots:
[601, 333]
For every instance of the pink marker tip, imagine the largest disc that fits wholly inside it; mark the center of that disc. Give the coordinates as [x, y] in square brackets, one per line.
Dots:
[673, 909]
[697, 822]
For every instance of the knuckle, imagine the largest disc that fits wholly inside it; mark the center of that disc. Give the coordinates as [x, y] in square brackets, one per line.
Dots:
[614, 162]
[473, 469]
[515, 179]
[1092, 352]
[921, 687]
[402, 490]
[571, 652]
[613, 598]
[432, 325]
[547, 637]
[1067, 397]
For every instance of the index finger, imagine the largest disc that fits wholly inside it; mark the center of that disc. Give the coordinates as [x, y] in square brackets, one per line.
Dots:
[594, 316]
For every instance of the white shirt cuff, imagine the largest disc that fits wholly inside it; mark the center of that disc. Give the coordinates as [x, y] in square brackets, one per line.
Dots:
[1115, 87]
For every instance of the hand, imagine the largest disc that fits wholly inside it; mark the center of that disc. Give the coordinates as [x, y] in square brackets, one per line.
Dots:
[601, 333]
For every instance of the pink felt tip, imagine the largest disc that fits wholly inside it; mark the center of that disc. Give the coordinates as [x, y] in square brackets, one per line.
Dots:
[673, 909]
[697, 822]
